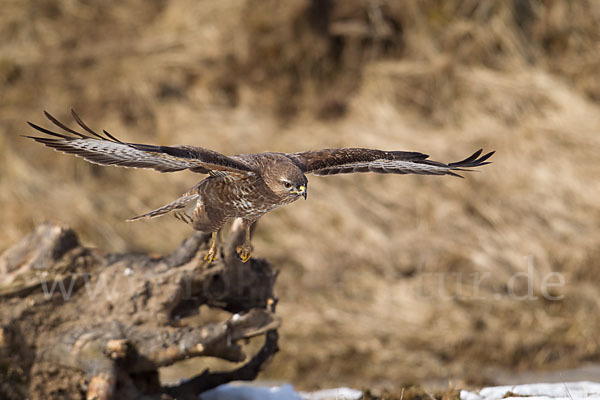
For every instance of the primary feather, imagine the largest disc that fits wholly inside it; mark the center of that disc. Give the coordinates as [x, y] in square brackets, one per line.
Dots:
[107, 150]
[350, 160]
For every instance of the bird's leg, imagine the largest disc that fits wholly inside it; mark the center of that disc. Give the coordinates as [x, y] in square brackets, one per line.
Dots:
[211, 254]
[245, 250]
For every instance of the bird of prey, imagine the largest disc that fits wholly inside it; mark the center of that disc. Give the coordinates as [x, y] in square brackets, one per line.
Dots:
[245, 186]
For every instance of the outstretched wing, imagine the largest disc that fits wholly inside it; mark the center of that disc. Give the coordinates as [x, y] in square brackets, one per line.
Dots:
[108, 150]
[349, 160]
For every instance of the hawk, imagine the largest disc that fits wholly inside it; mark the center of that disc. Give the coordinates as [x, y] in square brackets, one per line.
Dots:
[245, 186]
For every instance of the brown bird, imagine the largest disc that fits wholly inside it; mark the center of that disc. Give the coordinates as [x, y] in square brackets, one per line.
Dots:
[245, 186]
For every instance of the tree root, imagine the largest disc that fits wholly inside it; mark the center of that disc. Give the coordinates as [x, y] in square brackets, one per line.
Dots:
[103, 324]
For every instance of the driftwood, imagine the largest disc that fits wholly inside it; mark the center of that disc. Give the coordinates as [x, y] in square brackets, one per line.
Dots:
[79, 323]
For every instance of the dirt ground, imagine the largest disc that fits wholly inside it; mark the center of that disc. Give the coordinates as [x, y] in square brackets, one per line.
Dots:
[386, 281]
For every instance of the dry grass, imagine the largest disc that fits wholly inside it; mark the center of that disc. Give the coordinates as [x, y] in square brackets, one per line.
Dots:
[358, 290]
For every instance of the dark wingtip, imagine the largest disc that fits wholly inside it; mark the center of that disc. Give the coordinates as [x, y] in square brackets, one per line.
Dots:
[62, 126]
[45, 141]
[84, 126]
[474, 160]
[48, 115]
[46, 131]
[455, 174]
[486, 156]
[111, 136]
[469, 159]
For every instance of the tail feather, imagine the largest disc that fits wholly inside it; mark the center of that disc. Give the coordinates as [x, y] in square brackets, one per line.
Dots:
[178, 204]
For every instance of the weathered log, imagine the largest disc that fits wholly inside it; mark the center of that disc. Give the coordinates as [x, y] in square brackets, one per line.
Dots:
[79, 323]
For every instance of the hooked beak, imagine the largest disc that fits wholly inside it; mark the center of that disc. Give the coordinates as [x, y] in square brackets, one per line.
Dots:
[302, 191]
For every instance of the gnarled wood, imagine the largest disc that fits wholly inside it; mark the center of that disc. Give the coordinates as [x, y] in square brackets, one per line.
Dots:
[80, 322]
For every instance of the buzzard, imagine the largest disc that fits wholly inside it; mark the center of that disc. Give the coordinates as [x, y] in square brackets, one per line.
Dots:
[245, 186]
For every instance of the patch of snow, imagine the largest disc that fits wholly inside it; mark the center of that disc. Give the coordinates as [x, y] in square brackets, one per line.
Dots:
[283, 392]
[241, 392]
[333, 394]
[538, 391]
[466, 395]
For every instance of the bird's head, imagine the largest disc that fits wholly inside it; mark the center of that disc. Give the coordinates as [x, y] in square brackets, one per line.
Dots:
[294, 188]
[288, 182]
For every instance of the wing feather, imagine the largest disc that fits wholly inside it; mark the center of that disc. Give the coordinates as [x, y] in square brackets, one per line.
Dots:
[108, 150]
[350, 160]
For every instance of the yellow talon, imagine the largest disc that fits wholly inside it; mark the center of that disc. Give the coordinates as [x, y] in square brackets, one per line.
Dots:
[211, 254]
[245, 252]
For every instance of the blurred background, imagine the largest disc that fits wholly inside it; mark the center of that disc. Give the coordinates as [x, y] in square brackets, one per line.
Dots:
[385, 280]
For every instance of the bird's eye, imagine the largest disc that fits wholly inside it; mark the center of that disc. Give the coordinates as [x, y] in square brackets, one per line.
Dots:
[287, 185]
